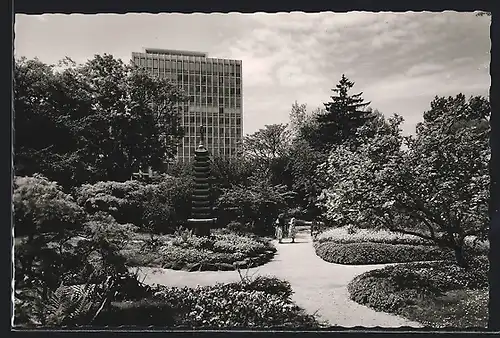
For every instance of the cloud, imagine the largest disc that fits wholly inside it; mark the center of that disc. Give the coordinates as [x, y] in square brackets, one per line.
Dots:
[400, 61]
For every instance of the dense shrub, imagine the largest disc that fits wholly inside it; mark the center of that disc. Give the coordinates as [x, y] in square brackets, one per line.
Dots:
[41, 206]
[392, 288]
[172, 253]
[263, 302]
[240, 227]
[232, 243]
[174, 194]
[268, 284]
[234, 306]
[257, 204]
[190, 252]
[123, 200]
[144, 312]
[378, 253]
[157, 207]
[346, 235]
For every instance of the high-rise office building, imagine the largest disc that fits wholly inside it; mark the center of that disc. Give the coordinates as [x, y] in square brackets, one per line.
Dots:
[214, 87]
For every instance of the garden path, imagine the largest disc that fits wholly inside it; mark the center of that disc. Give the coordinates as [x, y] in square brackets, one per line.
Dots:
[318, 286]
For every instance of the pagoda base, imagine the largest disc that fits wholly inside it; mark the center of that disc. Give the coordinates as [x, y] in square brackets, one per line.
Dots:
[202, 226]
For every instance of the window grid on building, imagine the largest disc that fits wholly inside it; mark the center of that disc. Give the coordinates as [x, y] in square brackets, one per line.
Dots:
[214, 88]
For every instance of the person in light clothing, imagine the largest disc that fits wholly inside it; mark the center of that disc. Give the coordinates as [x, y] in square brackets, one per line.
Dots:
[292, 230]
[279, 233]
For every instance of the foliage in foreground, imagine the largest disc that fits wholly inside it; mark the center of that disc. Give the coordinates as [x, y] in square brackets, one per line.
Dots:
[262, 303]
[63, 247]
[426, 291]
[40, 206]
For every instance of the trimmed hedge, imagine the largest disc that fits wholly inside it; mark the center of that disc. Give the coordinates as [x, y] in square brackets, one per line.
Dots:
[394, 288]
[378, 253]
[347, 235]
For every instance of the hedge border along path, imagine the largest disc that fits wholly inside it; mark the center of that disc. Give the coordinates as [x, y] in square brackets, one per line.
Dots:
[397, 288]
[318, 286]
[378, 253]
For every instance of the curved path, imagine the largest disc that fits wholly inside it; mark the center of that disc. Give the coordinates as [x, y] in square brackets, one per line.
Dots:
[319, 287]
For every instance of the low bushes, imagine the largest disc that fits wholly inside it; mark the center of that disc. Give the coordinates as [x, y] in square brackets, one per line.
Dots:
[192, 253]
[420, 291]
[378, 253]
[158, 207]
[264, 303]
[346, 235]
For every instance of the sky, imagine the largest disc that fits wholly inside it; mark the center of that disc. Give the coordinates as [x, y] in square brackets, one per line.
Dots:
[400, 61]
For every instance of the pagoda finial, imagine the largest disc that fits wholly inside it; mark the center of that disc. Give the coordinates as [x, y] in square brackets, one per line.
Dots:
[202, 133]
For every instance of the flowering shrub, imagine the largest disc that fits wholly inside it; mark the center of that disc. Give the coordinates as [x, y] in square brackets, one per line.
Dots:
[234, 306]
[267, 284]
[188, 240]
[233, 243]
[392, 288]
[191, 252]
[378, 253]
[172, 253]
[344, 235]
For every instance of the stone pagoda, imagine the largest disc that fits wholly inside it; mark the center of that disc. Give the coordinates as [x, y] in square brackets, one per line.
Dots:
[201, 206]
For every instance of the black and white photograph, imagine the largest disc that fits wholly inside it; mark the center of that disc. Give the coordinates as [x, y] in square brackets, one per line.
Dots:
[251, 171]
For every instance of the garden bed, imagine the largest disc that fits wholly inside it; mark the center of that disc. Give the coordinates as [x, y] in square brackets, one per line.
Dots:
[264, 302]
[220, 252]
[344, 235]
[436, 294]
[369, 246]
[378, 253]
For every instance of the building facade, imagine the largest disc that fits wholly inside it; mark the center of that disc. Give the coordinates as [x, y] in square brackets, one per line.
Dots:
[214, 87]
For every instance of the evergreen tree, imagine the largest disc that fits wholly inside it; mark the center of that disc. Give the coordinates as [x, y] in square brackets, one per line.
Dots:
[344, 114]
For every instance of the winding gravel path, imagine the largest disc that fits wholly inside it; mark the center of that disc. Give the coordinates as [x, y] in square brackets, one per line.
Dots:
[318, 286]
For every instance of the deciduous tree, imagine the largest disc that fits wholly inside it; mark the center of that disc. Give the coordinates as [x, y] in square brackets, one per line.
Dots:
[437, 188]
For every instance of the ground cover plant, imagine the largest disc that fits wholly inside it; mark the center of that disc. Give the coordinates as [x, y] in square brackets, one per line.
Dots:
[436, 294]
[184, 250]
[262, 302]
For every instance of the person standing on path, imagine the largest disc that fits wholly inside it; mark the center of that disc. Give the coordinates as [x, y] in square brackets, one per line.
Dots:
[292, 231]
[279, 233]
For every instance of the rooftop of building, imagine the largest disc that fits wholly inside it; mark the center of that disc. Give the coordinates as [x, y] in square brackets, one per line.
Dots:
[175, 52]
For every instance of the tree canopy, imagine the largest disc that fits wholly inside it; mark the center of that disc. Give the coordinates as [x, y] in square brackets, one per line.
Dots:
[437, 188]
[97, 121]
[344, 114]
